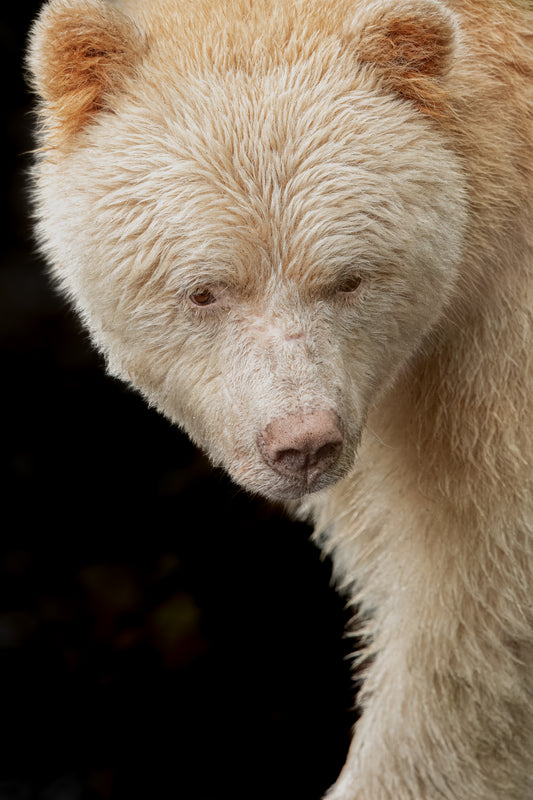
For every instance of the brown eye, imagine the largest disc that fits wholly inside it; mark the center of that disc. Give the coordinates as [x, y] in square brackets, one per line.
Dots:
[349, 285]
[202, 297]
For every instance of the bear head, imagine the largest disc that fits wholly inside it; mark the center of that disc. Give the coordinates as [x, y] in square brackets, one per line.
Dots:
[256, 209]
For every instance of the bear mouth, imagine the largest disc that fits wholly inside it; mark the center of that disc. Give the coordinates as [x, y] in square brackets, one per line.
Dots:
[293, 489]
[279, 488]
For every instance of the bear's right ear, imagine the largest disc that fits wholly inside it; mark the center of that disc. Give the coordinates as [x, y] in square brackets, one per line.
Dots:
[80, 52]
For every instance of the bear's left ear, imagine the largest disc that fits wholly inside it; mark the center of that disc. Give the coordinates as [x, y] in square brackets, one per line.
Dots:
[410, 43]
[80, 54]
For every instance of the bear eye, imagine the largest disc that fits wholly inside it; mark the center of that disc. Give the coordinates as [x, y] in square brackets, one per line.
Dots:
[349, 285]
[202, 297]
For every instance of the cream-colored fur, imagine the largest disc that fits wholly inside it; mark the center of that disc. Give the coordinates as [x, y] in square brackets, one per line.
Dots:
[320, 210]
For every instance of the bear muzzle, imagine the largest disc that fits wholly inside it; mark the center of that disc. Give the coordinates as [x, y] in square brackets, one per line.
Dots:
[302, 447]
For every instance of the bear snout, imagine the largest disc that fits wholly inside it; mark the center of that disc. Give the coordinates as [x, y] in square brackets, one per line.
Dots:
[302, 446]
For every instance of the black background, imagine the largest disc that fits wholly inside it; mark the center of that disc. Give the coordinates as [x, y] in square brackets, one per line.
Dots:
[162, 635]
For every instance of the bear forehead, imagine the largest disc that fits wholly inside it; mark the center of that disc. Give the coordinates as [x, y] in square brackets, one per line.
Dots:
[238, 182]
[288, 169]
[216, 205]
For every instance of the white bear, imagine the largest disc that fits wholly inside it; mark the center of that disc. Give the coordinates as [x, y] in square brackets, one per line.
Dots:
[302, 229]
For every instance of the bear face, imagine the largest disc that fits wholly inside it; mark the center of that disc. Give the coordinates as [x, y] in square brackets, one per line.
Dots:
[246, 246]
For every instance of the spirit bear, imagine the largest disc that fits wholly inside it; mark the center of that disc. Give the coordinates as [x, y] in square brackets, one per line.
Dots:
[302, 230]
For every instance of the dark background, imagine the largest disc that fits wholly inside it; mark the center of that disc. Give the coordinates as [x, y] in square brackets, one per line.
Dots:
[162, 635]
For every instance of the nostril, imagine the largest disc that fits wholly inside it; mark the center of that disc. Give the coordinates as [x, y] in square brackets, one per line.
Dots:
[291, 460]
[302, 446]
[328, 451]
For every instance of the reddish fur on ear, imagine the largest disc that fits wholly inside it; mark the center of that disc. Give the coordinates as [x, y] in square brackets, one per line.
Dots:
[80, 53]
[411, 44]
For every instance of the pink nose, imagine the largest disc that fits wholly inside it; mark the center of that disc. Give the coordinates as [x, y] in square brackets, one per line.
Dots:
[302, 446]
